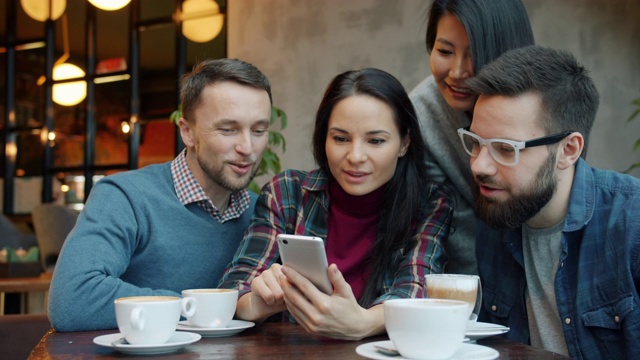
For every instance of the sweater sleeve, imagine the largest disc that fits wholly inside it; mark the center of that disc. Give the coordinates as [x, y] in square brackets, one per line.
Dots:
[96, 253]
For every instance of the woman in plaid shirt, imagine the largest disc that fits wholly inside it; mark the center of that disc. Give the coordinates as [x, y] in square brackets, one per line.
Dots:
[384, 223]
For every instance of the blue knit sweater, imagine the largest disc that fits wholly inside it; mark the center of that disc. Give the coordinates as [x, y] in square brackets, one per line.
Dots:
[134, 237]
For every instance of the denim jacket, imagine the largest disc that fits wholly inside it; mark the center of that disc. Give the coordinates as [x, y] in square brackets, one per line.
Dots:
[598, 275]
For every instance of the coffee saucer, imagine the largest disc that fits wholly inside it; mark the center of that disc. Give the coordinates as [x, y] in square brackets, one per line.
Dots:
[176, 342]
[467, 351]
[234, 327]
[481, 330]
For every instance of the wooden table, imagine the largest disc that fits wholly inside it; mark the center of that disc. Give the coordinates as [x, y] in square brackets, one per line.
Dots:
[23, 286]
[266, 341]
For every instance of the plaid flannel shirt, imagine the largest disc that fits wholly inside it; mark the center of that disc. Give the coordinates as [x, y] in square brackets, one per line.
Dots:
[296, 202]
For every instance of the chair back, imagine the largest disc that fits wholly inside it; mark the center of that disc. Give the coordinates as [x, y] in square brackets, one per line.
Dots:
[12, 237]
[52, 224]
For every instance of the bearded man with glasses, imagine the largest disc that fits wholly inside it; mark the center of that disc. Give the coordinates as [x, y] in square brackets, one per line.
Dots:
[558, 244]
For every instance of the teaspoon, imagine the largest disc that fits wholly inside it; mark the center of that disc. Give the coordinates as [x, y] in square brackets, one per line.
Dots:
[386, 350]
[121, 341]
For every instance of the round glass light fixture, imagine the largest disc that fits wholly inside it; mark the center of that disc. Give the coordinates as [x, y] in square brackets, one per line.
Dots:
[69, 93]
[39, 9]
[201, 20]
[110, 5]
[125, 127]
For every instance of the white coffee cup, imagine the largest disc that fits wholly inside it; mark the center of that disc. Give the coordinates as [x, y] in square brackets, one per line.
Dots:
[147, 320]
[212, 308]
[426, 329]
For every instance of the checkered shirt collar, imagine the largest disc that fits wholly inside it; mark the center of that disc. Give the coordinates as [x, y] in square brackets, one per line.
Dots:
[189, 191]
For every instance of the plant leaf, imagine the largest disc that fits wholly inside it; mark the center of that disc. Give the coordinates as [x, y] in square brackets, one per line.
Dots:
[274, 115]
[276, 164]
[253, 187]
[276, 138]
[277, 113]
[633, 166]
[176, 115]
[636, 146]
[282, 139]
[283, 119]
[273, 138]
[635, 102]
[635, 113]
[269, 159]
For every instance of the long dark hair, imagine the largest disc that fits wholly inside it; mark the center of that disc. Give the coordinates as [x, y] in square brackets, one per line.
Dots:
[493, 26]
[403, 194]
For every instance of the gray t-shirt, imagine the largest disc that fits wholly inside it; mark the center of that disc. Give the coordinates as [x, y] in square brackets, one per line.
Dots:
[541, 249]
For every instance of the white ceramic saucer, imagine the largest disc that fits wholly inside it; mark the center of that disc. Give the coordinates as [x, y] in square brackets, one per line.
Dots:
[467, 351]
[176, 342]
[481, 330]
[234, 327]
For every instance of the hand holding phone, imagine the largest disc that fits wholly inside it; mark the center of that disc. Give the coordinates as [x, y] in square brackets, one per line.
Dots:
[306, 255]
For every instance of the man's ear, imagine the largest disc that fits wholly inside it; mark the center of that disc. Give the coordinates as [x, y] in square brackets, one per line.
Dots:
[569, 150]
[187, 132]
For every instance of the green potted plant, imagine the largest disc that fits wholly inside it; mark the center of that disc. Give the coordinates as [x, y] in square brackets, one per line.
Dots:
[270, 160]
[636, 146]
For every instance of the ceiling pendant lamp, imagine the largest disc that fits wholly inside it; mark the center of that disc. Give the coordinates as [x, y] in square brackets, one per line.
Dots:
[39, 9]
[68, 93]
[201, 20]
[110, 5]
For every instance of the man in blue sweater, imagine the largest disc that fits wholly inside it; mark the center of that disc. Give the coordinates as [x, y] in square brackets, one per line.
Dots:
[558, 245]
[173, 226]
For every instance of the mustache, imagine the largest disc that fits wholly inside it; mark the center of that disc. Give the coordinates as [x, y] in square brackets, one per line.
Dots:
[248, 160]
[486, 180]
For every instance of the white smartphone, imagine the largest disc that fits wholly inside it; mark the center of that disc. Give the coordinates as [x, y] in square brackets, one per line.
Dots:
[306, 255]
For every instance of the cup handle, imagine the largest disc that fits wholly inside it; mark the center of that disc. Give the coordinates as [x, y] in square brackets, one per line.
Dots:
[188, 307]
[137, 319]
[478, 306]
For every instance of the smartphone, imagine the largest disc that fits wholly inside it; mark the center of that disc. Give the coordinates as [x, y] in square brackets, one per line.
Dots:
[306, 255]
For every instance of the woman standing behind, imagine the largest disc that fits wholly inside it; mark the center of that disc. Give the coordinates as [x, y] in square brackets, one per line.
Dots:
[383, 221]
[462, 37]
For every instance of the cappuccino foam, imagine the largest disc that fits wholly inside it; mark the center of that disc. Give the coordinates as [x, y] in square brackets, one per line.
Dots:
[147, 299]
[208, 291]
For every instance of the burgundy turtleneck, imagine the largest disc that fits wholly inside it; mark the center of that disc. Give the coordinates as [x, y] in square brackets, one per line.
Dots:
[352, 230]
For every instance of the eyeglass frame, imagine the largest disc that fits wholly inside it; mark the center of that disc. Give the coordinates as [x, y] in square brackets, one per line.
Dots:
[517, 145]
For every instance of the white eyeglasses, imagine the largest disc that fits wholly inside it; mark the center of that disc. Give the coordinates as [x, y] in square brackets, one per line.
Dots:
[505, 152]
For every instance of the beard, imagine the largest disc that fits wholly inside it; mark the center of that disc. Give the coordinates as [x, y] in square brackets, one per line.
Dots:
[517, 210]
[226, 182]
